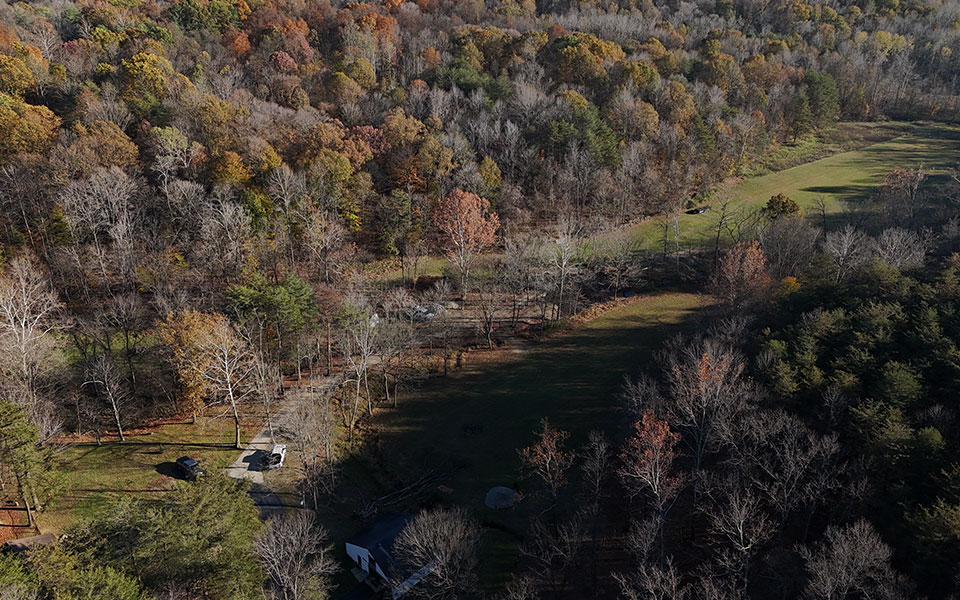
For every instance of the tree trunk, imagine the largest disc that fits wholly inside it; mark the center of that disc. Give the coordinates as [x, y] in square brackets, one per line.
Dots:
[26, 501]
[329, 348]
[116, 418]
[236, 423]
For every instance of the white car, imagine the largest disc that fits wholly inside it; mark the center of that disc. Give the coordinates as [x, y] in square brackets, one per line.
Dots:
[274, 459]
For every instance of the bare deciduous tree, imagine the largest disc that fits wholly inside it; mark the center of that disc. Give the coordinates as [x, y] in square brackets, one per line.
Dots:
[111, 386]
[739, 525]
[852, 560]
[621, 249]
[790, 464]
[706, 389]
[651, 582]
[553, 551]
[103, 208]
[28, 337]
[848, 249]
[440, 545]
[789, 244]
[322, 236]
[359, 344]
[901, 248]
[227, 367]
[312, 432]
[297, 558]
[488, 308]
[597, 457]
[224, 233]
[566, 259]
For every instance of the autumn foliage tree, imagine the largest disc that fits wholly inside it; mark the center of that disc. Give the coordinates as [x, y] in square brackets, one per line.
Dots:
[466, 226]
[182, 335]
[548, 459]
[781, 205]
[647, 461]
[741, 278]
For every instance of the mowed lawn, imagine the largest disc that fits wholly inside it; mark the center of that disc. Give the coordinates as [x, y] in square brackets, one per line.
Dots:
[142, 466]
[848, 177]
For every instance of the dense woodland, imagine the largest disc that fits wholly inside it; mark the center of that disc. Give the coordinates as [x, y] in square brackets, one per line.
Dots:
[204, 198]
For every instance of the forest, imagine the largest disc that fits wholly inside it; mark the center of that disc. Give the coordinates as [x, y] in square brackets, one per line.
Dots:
[683, 277]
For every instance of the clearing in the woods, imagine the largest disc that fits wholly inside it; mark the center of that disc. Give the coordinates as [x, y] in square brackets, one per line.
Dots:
[842, 181]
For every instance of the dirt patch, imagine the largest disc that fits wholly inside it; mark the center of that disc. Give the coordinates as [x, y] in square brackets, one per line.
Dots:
[13, 524]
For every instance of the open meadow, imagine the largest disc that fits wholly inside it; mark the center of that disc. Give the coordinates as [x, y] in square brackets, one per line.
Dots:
[841, 181]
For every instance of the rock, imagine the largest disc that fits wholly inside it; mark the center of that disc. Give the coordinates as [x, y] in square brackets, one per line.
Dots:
[500, 497]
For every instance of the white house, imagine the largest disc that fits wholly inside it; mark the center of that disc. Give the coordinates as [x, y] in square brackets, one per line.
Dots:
[372, 550]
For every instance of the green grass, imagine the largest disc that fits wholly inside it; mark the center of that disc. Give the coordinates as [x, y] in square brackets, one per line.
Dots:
[848, 177]
[92, 475]
[843, 137]
[572, 379]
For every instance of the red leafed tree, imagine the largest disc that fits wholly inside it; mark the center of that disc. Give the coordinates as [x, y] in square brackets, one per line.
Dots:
[466, 227]
[647, 461]
[741, 277]
[547, 459]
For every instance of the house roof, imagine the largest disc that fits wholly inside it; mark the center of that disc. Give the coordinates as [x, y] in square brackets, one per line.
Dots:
[378, 538]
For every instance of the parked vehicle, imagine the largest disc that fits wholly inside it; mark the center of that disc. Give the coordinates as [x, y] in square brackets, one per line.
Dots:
[189, 468]
[274, 459]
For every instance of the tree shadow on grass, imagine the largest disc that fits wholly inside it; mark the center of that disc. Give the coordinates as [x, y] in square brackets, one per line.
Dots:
[572, 379]
[843, 192]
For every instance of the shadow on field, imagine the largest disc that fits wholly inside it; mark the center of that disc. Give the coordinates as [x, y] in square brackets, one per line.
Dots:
[846, 193]
[471, 423]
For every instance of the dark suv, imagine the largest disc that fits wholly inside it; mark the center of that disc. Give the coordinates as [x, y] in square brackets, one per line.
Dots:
[189, 467]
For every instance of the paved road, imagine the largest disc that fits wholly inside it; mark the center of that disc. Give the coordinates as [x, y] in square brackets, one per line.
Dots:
[268, 502]
[249, 464]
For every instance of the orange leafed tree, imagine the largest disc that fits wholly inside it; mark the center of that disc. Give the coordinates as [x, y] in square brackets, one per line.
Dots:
[547, 459]
[741, 276]
[647, 459]
[466, 226]
[183, 334]
[212, 361]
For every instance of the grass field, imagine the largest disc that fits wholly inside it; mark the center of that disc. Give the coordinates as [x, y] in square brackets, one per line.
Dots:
[142, 466]
[572, 379]
[848, 177]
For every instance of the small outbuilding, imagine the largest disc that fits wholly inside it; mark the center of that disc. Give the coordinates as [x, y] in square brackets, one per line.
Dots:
[372, 551]
[371, 548]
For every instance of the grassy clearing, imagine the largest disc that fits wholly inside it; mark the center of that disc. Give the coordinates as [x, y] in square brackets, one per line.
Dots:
[141, 466]
[844, 137]
[572, 379]
[840, 179]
